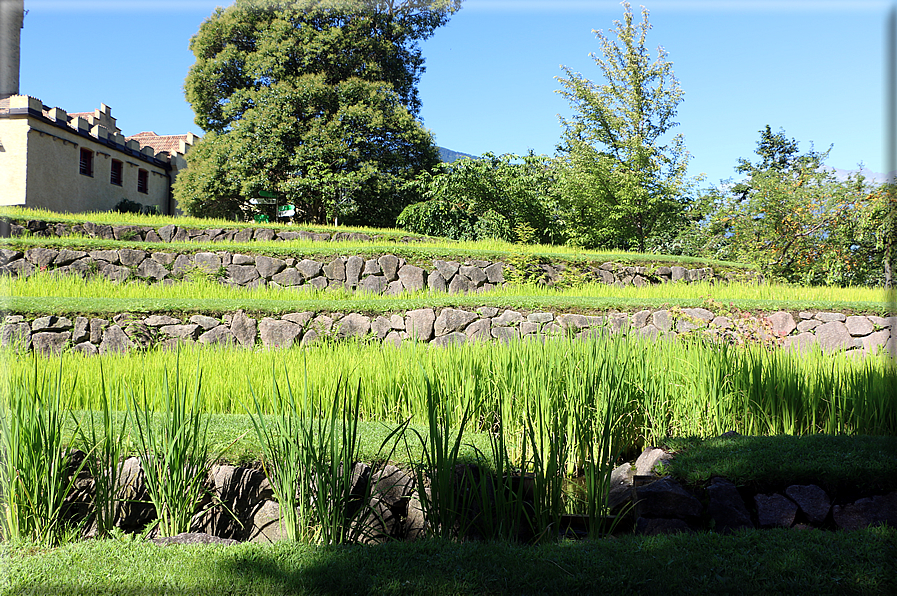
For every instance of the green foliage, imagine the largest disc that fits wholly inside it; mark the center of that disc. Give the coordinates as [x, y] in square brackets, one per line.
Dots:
[797, 222]
[128, 206]
[313, 101]
[620, 181]
[509, 197]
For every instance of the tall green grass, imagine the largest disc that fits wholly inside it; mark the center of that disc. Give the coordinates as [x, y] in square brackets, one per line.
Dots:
[37, 471]
[667, 388]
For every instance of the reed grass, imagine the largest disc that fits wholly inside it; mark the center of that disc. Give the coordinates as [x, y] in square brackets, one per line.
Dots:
[107, 446]
[175, 453]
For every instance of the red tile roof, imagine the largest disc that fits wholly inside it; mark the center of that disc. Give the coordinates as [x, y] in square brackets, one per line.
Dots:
[169, 143]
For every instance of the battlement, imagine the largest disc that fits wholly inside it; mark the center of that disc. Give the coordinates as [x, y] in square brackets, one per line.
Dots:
[101, 125]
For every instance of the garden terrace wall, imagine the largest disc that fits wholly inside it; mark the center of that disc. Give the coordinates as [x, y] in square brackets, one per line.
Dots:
[857, 334]
[386, 274]
[245, 508]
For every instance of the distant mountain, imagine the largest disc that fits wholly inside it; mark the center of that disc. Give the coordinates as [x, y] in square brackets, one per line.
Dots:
[869, 174]
[448, 156]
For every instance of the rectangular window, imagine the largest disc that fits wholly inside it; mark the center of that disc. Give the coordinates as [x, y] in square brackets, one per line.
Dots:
[86, 162]
[142, 181]
[115, 178]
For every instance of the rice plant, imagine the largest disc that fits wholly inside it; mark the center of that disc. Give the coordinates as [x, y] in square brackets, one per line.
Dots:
[174, 452]
[36, 468]
[107, 448]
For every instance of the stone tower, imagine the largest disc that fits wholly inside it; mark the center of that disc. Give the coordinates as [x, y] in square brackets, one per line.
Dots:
[12, 15]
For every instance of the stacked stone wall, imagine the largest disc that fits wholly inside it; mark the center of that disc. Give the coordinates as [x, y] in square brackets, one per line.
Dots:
[383, 274]
[125, 332]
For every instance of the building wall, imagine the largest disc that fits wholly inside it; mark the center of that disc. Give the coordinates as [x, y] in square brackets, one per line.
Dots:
[40, 163]
[55, 181]
[13, 161]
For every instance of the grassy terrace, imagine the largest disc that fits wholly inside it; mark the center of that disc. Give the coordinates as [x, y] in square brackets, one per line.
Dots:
[814, 417]
[46, 292]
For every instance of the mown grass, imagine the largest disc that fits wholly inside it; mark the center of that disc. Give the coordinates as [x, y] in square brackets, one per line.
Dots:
[846, 467]
[768, 562]
[114, 218]
[52, 292]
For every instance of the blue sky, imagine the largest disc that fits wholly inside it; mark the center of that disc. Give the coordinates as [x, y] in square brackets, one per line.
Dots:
[815, 69]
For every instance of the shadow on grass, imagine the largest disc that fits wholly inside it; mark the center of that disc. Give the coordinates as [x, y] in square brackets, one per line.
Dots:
[754, 562]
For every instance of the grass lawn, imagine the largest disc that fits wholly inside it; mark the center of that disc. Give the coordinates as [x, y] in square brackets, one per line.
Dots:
[756, 562]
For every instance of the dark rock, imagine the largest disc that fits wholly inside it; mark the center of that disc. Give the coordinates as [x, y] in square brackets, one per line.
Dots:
[67, 257]
[659, 526]
[870, 511]
[666, 498]
[41, 257]
[775, 511]
[726, 507]
[812, 500]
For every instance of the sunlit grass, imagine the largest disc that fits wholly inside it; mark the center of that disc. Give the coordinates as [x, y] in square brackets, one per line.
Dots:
[385, 241]
[198, 294]
[669, 388]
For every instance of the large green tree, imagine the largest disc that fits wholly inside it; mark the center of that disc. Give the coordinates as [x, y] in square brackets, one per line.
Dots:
[625, 176]
[314, 101]
[510, 197]
[794, 219]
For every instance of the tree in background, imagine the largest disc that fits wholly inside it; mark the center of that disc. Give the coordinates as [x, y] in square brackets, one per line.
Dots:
[796, 221]
[509, 197]
[311, 100]
[620, 181]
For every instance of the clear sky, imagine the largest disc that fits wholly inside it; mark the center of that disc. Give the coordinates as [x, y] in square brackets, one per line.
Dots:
[814, 68]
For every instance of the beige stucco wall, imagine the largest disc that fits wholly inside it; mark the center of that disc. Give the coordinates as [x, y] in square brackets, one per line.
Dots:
[13, 161]
[54, 180]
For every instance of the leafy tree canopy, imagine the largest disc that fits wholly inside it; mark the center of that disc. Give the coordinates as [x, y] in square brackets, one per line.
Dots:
[315, 101]
[510, 197]
[622, 180]
[795, 220]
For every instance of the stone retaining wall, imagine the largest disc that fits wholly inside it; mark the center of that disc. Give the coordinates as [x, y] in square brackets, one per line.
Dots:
[386, 274]
[860, 334]
[241, 505]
